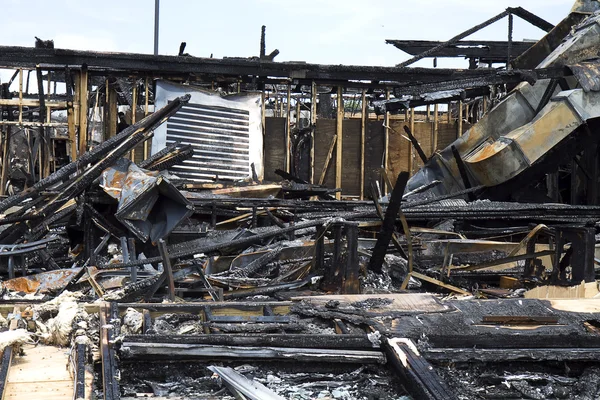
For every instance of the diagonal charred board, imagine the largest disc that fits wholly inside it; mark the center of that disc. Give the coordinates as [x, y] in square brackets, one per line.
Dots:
[6, 360]
[418, 374]
[415, 144]
[387, 227]
[255, 266]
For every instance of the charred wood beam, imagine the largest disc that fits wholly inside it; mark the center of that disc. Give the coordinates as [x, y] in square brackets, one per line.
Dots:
[536, 53]
[548, 93]
[415, 144]
[80, 352]
[417, 373]
[510, 355]
[531, 18]
[101, 63]
[349, 342]
[495, 78]
[387, 227]
[454, 40]
[462, 169]
[168, 351]
[109, 362]
[5, 362]
[194, 247]
[142, 129]
[485, 50]
[93, 155]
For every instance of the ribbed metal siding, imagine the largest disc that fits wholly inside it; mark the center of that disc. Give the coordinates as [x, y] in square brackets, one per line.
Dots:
[220, 137]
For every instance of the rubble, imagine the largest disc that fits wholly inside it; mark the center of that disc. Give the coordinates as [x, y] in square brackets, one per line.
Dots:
[217, 248]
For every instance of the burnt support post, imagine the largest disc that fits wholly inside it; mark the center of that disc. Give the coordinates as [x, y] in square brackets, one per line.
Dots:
[162, 248]
[415, 144]
[319, 257]
[463, 171]
[132, 257]
[351, 284]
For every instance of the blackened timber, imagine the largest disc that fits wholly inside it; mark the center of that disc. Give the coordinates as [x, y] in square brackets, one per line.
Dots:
[158, 351]
[387, 227]
[531, 18]
[415, 144]
[109, 368]
[142, 129]
[463, 171]
[6, 360]
[93, 155]
[193, 247]
[355, 342]
[485, 50]
[497, 78]
[100, 63]
[166, 260]
[351, 285]
[80, 352]
[455, 39]
[508, 355]
[418, 374]
[541, 49]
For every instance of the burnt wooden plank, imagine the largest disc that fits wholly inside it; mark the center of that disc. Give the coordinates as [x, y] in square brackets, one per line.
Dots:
[325, 130]
[274, 147]
[374, 147]
[351, 157]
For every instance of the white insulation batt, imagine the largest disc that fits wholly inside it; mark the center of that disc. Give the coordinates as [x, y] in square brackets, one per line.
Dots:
[225, 132]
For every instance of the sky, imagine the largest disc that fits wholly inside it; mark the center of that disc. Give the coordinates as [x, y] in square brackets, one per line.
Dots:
[351, 32]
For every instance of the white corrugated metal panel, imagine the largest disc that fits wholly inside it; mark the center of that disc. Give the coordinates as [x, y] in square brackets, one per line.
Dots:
[225, 134]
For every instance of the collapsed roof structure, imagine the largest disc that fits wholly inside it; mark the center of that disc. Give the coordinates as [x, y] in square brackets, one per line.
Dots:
[185, 227]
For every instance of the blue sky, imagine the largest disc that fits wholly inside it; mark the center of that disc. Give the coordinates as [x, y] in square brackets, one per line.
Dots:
[317, 31]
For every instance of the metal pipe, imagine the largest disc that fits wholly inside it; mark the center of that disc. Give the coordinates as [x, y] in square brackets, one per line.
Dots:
[156, 12]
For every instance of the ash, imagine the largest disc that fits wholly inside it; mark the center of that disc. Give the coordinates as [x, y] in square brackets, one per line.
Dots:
[291, 381]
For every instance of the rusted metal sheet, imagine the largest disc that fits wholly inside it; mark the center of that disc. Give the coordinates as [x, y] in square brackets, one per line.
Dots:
[44, 282]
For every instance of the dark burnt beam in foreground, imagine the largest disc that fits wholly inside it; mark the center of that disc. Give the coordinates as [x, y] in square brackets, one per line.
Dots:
[387, 227]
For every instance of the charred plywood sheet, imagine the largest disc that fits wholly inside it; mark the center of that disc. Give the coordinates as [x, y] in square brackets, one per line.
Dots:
[374, 143]
[351, 157]
[274, 147]
[447, 134]
[225, 133]
[324, 134]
